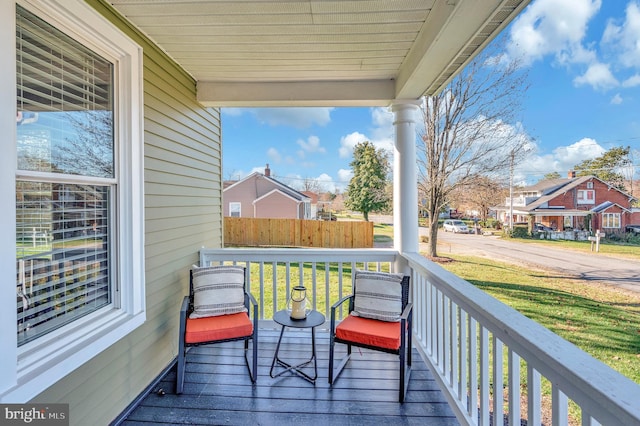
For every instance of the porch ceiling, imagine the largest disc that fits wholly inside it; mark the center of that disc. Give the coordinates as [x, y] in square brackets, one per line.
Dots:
[319, 52]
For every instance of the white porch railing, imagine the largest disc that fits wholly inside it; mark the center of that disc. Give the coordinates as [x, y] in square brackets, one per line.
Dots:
[469, 339]
[273, 272]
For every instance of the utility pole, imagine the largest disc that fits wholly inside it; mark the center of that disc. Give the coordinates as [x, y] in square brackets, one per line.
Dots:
[513, 153]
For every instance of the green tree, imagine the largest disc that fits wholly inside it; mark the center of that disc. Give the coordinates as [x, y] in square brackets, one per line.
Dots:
[367, 189]
[608, 167]
[551, 175]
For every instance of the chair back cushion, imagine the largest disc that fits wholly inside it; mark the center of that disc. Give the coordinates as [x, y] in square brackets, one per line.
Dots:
[378, 295]
[217, 290]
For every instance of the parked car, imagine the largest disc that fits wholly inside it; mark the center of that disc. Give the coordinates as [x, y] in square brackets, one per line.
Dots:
[539, 227]
[455, 226]
[324, 215]
[635, 229]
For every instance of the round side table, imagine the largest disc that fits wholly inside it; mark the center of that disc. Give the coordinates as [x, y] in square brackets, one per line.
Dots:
[312, 320]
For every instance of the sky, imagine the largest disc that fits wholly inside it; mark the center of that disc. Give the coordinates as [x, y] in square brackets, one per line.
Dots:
[583, 64]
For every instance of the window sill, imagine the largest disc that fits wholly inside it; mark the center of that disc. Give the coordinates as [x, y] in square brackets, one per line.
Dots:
[46, 361]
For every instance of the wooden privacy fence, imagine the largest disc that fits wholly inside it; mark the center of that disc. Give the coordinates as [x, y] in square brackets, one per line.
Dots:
[242, 231]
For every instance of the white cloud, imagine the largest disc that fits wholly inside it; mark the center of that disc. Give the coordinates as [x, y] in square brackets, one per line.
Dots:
[312, 144]
[553, 27]
[625, 38]
[561, 159]
[598, 76]
[382, 117]
[382, 134]
[256, 169]
[274, 155]
[347, 143]
[293, 117]
[326, 183]
[585, 148]
[632, 81]
[344, 176]
[617, 99]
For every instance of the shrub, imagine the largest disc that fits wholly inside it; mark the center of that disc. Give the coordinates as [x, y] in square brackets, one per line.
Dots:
[517, 232]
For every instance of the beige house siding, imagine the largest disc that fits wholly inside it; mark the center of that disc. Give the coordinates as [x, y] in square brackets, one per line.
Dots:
[183, 212]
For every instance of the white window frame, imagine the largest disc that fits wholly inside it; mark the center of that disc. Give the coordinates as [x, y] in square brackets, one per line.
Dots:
[608, 217]
[567, 221]
[232, 206]
[582, 196]
[33, 367]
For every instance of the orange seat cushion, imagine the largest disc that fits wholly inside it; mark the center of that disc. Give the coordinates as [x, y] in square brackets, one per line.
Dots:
[381, 334]
[220, 327]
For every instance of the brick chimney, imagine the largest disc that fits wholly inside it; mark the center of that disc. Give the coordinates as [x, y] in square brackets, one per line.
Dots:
[267, 171]
[571, 174]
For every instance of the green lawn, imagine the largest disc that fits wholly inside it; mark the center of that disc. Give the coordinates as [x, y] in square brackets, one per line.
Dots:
[382, 233]
[618, 249]
[601, 320]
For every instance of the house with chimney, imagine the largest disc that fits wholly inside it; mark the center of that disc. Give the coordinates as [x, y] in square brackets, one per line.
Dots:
[259, 195]
[572, 203]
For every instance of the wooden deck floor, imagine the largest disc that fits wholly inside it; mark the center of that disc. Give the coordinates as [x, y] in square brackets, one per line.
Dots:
[218, 390]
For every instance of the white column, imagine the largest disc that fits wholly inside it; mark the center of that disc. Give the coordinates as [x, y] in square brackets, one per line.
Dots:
[405, 183]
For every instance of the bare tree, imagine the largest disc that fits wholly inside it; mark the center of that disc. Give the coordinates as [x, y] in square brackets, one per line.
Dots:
[312, 185]
[484, 193]
[89, 149]
[468, 131]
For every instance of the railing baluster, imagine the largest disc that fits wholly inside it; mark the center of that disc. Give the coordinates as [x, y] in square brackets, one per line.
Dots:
[514, 387]
[455, 324]
[473, 368]
[433, 321]
[533, 396]
[261, 266]
[498, 381]
[559, 407]
[288, 278]
[446, 347]
[440, 330]
[484, 375]
[314, 285]
[327, 293]
[274, 286]
[464, 360]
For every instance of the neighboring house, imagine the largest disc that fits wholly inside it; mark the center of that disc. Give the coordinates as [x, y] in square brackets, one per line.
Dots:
[565, 203]
[261, 196]
[313, 197]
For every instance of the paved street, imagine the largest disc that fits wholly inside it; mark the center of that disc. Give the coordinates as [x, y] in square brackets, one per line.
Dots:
[592, 266]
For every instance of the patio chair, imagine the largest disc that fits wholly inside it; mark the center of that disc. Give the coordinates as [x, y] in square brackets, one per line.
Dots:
[218, 309]
[380, 318]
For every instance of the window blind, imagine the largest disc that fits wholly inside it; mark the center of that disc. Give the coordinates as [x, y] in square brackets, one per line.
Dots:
[63, 255]
[64, 229]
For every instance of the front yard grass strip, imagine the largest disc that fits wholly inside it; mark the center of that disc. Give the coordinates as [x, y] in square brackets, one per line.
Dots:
[602, 320]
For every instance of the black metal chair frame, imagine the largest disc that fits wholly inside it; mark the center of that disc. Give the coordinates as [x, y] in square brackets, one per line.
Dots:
[187, 307]
[404, 352]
